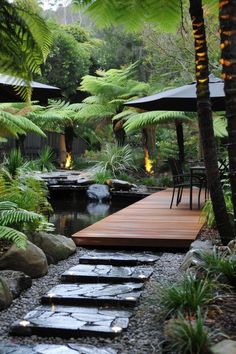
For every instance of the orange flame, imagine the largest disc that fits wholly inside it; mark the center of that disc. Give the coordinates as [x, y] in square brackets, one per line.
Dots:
[68, 162]
[148, 163]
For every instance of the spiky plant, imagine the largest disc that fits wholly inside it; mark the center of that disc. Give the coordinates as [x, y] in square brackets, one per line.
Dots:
[13, 162]
[45, 161]
[187, 295]
[115, 160]
[188, 336]
[216, 263]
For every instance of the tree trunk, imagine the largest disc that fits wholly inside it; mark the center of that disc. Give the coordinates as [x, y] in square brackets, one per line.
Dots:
[180, 138]
[20, 143]
[119, 132]
[150, 151]
[228, 44]
[205, 122]
[69, 137]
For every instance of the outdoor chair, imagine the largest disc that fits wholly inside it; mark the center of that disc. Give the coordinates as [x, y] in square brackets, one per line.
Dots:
[182, 180]
[223, 165]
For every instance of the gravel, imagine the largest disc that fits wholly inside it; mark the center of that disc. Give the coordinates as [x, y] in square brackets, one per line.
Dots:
[145, 331]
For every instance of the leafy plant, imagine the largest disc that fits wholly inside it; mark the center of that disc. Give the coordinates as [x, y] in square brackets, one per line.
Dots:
[217, 263]
[187, 295]
[207, 210]
[46, 159]
[188, 336]
[14, 162]
[116, 160]
[101, 177]
[12, 220]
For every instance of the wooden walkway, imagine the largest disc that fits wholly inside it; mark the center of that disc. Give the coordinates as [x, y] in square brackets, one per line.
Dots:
[147, 223]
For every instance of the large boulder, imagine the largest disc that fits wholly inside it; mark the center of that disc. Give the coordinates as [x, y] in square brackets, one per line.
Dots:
[55, 247]
[5, 294]
[31, 261]
[98, 192]
[191, 258]
[16, 281]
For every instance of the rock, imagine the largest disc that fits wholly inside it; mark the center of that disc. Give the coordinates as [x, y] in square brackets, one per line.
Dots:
[5, 294]
[119, 185]
[232, 246]
[191, 258]
[16, 281]
[98, 192]
[201, 245]
[31, 261]
[55, 247]
[224, 347]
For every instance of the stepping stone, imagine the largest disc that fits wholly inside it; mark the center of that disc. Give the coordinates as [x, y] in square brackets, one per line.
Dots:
[54, 349]
[105, 273]
[117, 258]
[125, 294]
[70, 321]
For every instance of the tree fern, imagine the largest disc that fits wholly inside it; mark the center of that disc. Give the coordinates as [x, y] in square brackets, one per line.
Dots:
[25, 41]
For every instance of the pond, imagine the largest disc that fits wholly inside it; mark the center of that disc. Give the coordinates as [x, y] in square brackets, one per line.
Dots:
[75, 213]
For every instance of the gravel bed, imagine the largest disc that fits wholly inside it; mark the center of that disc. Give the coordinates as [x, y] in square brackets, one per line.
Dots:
[144, 334]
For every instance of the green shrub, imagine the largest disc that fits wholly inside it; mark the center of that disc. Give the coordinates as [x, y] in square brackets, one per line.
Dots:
[116, 160]
[45, 162]
[188, 336]
[217, 263]
[102, 177]
[207, 210]
[187, 295]
[14, 162]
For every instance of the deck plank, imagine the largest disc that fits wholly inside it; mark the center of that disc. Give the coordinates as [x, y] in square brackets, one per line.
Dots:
[147, 223]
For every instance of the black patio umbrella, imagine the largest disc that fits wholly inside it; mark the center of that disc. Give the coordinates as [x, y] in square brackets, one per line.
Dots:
[41, 92]
[182, 98]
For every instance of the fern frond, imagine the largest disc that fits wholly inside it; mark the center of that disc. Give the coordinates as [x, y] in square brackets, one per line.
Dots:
[95, 111]
[13, 236]
[124, 114]
[220, 127]
[139, 120]
[132, 13]
[9, 217]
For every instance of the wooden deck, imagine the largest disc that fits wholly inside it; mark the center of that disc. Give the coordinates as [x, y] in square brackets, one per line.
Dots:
[147, 223]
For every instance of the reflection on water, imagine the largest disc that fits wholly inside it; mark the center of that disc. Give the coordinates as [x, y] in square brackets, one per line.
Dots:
[72, 215]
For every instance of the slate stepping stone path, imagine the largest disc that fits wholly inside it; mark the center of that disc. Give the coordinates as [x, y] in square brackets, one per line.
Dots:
[54, 349]
[105, 273]
[98, 294]
[117, 258]
[95, 298]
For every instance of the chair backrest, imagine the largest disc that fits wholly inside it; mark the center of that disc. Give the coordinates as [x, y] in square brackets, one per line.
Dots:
[223, 168]
[176, 170]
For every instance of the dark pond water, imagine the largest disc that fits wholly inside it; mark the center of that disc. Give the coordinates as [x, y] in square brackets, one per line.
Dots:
[75, 213]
